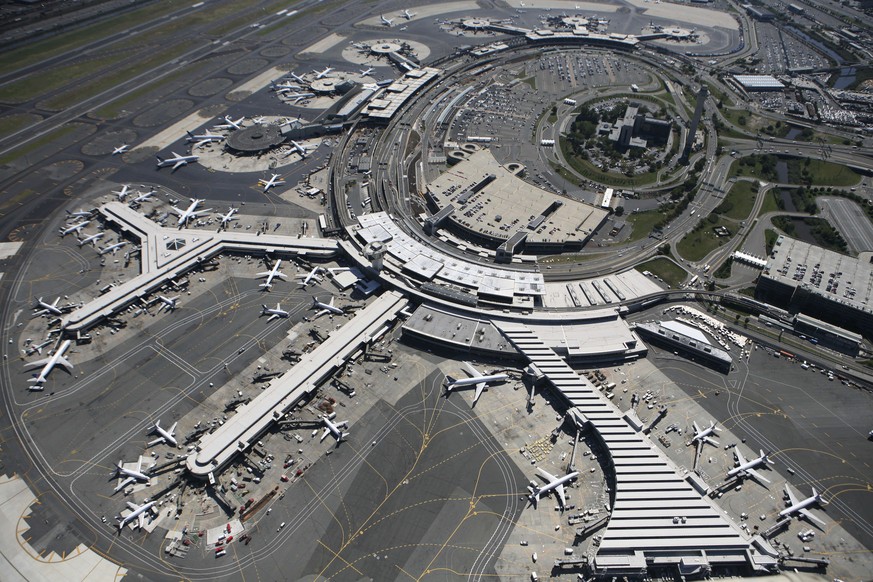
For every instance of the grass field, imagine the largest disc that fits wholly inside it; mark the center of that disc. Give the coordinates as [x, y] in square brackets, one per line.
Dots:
[739, 200]
[700, 242]
[34, 145]
[820, 173]
[769, 204]
[42, 82]
[670, 272]
[12, 123]
[643, 223]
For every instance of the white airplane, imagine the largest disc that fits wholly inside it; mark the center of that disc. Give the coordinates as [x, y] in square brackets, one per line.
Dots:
[226, 219]
[230, 123]
[120, 149]
[79, 214]
[298, 97]
[144, 197]
[325, 308]
[555, 484]
[703, 436]
[367, 71]
[283, 86]
[800, 506]
[47, 307]
[273, 181]
[274, 313]
[90, 239]
[202, 139]
[745, 467]
[476, 379]
[48, 365]
[129, 475]
[408, 15]
[298, 149]
[334, 428]
[168, 303]
[322, 74]
[386, 21]
[298, 78]
[75, 228]
[166, 436]
[190, 213]
[271, 274]
[176, 161]
[122, 194]
[312, 276]
[138, 514]
[111, 248]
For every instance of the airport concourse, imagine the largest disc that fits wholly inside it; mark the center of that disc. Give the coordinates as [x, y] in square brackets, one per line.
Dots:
[517, 290]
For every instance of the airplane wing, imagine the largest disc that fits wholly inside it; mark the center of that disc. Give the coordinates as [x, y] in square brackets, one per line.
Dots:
[36, 363]
[480, 387]
[264, 274]
[325, 433]
[560, 491]
[471, 370]
[696, 428]
[546, 475]
[65, 363]
[179, 164]
[741, 460]
[156, 441]
[757, 476]
[141, 519]
[172, 428]
[791, 497]
[808, 515]
[124, 484]
[272, 317]
[711, 441]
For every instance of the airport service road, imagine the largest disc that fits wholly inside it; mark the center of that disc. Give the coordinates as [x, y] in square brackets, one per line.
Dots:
[847, 217]
[815, 426]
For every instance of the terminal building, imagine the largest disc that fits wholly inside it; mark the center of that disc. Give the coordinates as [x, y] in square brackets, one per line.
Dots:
[823, 284]
[683, 338]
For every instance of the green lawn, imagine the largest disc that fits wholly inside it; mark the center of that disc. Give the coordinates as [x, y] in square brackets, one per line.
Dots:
[670, 272]
[769, 204]
[820, 173]
[739, 200]
[42, 82]
[34, 145]
[702, 240]
[643, 223]
[770, 237]
[12, 123]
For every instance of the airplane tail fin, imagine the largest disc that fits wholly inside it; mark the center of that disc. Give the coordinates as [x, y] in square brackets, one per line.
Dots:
[160, 159]
[449, 381]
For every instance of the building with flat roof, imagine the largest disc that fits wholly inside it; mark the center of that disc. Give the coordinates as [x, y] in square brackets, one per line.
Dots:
[823, 284]
[759, 82]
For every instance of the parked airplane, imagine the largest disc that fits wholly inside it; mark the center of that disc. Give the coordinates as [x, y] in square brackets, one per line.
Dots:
[202, 139]
[120, 149]
[138, 514]
[312, 276]
[176, 161]
[75, 228]
[322, 74]
[47, 308]
[555, 484]
[276, 313]
[297, 148]
[325, 308]
[48, 365]
[386, 21]
[271, 274]
[144, 197]
[747, 468]
[230, 123]
[334, 428]
[129, 475]
[168, 303]
[79, 214]
[190, 212]
[800, 506]
[408, 15]
[703, 436]
[122, 194]
[166, 436]
[226, 219]
[111, 248]
[298, 97]
[90, 239]
[367, 71]
[476, 379]
[273, 181]
[298, 78]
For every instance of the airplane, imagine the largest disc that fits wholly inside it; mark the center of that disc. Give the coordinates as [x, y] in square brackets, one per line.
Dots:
[334, 429]
[120, 149]
[270, 275]
[138, 514]
[747, 468]
[322, 74]
[145, 197]
[273, 181]
[176, 161]
[476, 379]
[129, 475]
[90, 239]
[166, 436]
[298, 78]
[554, 484]
[367, 71]
[325, 308]
[386, 21]
[122, 194]
[47, 307]
[307, 279]
[274, 313]
[298, 97]
[800, 506]
[79, 214]
[296, 148]
[408, 15]
[225, 219]
[168, 303]
[202, 139]
[48, 365]
[702, 436]
[111, 248]
[75, 228]
[283, 86]
[190, 212]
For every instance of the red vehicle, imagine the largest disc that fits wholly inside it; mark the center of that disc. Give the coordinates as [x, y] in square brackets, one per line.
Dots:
[219, 549]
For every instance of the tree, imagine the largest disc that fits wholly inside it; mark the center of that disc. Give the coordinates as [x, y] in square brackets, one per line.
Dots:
[619, 210]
